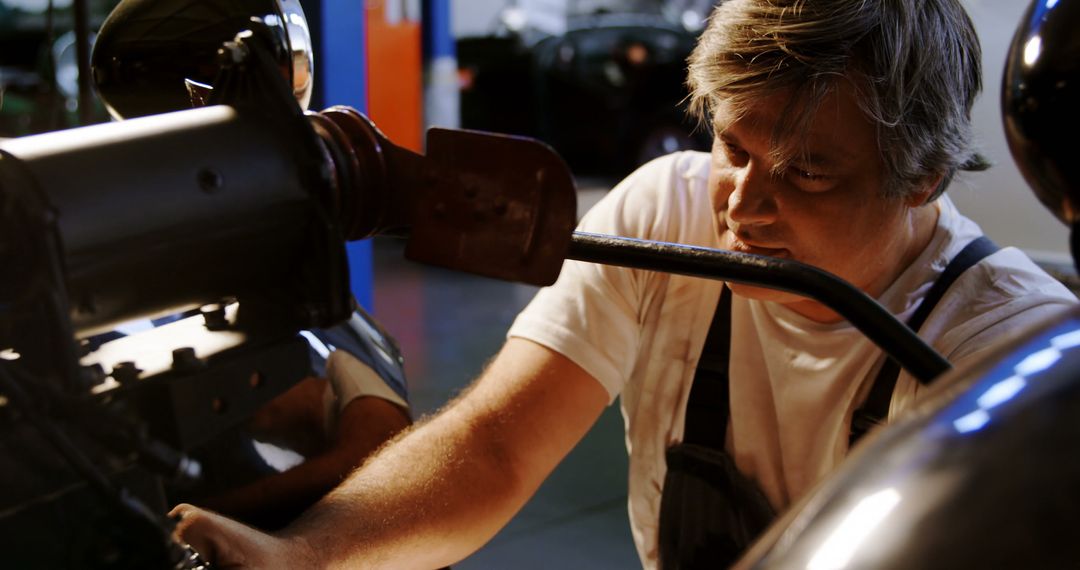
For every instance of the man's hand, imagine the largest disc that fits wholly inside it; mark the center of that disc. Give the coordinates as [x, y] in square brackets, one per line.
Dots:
[226, 543]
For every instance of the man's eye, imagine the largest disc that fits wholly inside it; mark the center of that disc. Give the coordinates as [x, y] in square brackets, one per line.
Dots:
[810, 180]
[733, 150]
[808, 175]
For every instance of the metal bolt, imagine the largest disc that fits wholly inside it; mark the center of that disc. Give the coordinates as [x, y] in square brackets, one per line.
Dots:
[210, 180]
[311, 313]
[92, 375]
[125, 372]
[214, 317]
[184, 359]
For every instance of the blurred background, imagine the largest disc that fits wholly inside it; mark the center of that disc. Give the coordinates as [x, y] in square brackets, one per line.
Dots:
[602, 82]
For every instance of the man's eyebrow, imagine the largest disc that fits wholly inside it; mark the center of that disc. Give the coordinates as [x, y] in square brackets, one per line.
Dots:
[726, 136]
[828, 159]
[721, 130]
[820, 150]
[831, 157]
[819, 160]
[808, 159]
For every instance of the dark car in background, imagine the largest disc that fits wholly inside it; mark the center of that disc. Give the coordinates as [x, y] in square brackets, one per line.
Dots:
[38, 66]
[608, 94]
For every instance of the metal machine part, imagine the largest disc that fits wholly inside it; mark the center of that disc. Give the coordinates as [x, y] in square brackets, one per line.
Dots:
[1039, 98]
[207, 168]
[300, 48]
[147, 48]
[493, 205]
[247, 199]
[190, 381]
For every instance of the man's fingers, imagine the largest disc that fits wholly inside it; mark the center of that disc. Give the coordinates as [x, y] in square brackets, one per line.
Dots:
[226, 543]
[221, 541]
[192, 529]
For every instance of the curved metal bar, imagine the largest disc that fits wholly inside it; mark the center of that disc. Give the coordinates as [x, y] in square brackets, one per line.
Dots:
[881, 327]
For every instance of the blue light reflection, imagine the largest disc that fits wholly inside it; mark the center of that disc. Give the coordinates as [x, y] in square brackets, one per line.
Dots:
[1038, 14]
[1001, 392]
[971, 422]
[1066, 340]
[1015, 374]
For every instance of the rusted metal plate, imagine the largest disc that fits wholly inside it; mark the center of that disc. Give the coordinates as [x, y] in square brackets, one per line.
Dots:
[490, 204]
[494, 205]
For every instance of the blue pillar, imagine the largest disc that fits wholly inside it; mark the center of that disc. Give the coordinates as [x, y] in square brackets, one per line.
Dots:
[442, 107]
[342, 49]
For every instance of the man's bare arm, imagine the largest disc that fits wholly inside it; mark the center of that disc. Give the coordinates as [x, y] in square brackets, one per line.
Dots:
[446, 486]
[366, 423]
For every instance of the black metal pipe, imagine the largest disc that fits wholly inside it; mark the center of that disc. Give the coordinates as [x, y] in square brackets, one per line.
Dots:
[881, 327]
[168, 212]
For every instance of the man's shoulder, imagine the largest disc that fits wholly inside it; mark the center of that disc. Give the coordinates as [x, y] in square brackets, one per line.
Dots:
[1010, 273]
[1004, 293]
[661, 200]
[1005, 275]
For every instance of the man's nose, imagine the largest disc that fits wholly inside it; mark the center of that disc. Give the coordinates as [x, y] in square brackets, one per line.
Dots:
[753, 201]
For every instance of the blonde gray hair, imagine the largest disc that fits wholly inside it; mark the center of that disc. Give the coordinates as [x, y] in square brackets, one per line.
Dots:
[915, 64]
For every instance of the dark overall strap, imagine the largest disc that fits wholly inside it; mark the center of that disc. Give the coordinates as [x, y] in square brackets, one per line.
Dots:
[876, 408]
[707, 407]
[709, 512]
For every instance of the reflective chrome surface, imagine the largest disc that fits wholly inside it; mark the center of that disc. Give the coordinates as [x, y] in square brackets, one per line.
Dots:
[984, 475]
[1040, 94]
[147, 49]
[303, 58]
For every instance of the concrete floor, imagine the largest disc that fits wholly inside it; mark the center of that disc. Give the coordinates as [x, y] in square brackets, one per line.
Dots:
[448, 325]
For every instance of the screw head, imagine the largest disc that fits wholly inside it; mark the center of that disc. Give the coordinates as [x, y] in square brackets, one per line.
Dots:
[210, 181]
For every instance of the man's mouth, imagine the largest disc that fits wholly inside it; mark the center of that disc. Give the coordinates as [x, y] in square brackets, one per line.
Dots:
[744, 247]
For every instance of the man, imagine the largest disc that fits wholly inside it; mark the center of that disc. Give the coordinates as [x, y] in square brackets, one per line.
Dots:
[837, 126]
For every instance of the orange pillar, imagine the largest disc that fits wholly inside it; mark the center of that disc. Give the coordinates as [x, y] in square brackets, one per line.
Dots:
[394, 73]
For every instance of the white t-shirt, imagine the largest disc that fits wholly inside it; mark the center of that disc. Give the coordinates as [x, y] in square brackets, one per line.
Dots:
[794, 382]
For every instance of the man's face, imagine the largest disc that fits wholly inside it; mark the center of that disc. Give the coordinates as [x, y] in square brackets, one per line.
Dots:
[826, 209]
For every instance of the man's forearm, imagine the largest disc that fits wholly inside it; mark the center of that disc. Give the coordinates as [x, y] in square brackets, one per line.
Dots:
[273, 501]
[447, 486]
[441, 489]
[428, 500]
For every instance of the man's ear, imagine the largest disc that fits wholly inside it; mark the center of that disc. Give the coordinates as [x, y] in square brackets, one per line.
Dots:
[925, 191]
